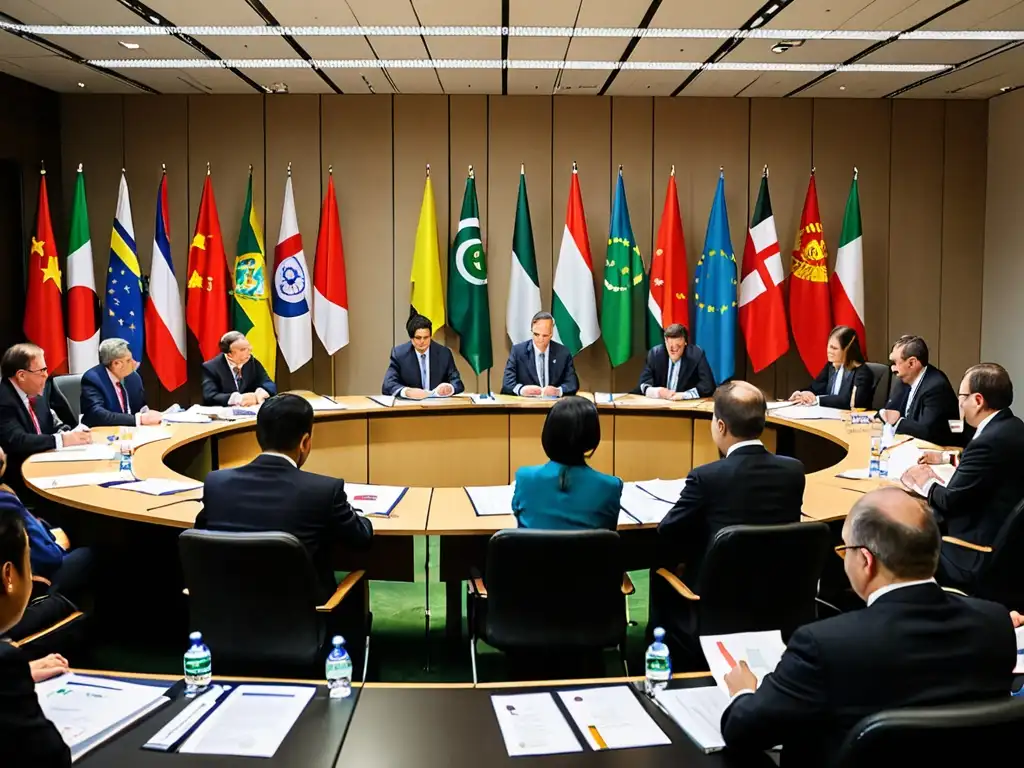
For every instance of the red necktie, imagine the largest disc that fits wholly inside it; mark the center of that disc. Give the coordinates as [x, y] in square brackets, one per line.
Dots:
[32, 413]
[119, 388]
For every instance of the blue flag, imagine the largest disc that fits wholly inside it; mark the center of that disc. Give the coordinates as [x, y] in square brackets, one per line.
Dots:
[714, 292]
[122, 303]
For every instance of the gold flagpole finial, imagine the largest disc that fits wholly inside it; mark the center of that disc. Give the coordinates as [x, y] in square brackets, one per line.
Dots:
[574, 166]
[79, 167]
[471, 175]
[522, 169]
[673, 171]
[721, 171]
[813, 168]
[330, 170]
[855, 172]
[289, 169]
[207, 168]
[163, 168]
[428, 170]
[42, 167]
[765, 171]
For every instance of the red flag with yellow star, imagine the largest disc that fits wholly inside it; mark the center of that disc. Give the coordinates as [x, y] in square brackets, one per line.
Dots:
[810, 308]
[44, 315]
[206, 292]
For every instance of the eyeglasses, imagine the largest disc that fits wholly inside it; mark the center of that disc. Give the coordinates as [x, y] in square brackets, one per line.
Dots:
[964, 394]
[44, 369]
[842, 549]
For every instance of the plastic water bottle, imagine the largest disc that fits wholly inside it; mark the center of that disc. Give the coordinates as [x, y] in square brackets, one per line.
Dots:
[339, 670]
[875, 465]
[126, 456]
[657, 664]
[198, 665]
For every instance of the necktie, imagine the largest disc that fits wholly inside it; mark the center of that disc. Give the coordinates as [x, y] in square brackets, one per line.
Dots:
[32, 414]
[670, 384]
[543, 371]
[121, 396]
[237, 373]
[424, 381]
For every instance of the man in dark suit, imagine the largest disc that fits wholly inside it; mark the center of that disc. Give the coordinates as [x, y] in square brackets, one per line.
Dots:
[988, 482]
[914, 645]
[421, 367]
[235, 377]
[112, 392]
[922, 402]
[541, 367]
[749, 486]
[676, 370]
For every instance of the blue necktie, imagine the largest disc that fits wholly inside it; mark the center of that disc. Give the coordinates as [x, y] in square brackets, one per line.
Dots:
[671, 369]
[542, 371]
[424, 381]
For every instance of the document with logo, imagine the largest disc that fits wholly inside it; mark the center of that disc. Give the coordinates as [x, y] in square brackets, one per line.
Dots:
[612, 718]
[374, 500]
[532, 724]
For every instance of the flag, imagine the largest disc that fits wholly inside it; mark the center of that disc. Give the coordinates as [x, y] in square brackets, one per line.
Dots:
[330, 290]
[762, 307]
[668, 279]
[573, 303]
[250, 305]
[468, 312]
[165, 326]
[425, 294]
[714, 290]
[623, 282]
[83, 305]
[123, 312]
[293, 295]
[206, 302]
[44, 316]
[523, 285]
[847, 282]
[809, 312]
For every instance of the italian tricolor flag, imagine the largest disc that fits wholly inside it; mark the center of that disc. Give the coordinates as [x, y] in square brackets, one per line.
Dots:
[574, 305]
[83, 323]
[847, 283]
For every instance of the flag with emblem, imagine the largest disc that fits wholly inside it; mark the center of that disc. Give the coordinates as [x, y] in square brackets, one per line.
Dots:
[292, 291]
[206, 292]
[469, 314]
[83, 304]
[122, 302]
[847, 281]
[573, 303]
[330, 289]
[250, 306]
[165, 326]
[714, 291]
[523, 284]
[425, 292]
[762, 307]
[669, 276]
[44, 316]
[621, 307]
[810, 312]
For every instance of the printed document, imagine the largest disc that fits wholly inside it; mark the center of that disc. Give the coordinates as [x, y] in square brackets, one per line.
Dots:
[666, 490]
[374, 500]
[612, 718]
[761, 650]
[698, 711]
[91, 452]
[532, 724]
[321, 403]
[491, 499]
[82, 478]
[160, 487]
[642, 505]
[803, 412]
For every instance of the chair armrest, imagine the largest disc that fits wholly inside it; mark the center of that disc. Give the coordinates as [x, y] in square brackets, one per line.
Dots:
[965, 544]
[955, 591]
[627, 585]
[42, 580]
[43, 633]
[677, 584]
[477, 588]
[343, 589]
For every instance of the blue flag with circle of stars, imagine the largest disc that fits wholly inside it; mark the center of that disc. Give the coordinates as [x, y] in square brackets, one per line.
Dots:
[122, 301]
[714, 292]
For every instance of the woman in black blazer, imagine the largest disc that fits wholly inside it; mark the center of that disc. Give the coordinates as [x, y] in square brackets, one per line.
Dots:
[845, 359]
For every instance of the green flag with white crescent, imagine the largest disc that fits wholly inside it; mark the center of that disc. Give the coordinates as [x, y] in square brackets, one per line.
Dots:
[468, 311]
[625, 291]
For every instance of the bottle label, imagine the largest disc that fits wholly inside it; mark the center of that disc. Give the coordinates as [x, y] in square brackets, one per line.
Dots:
[659, 668]
[198, 666]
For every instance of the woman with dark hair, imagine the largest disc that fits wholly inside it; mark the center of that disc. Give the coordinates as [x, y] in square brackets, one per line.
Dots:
[844, 379]
[27, 738]
[565, 493]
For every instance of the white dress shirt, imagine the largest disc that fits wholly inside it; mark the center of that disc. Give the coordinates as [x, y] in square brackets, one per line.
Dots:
[742, 444]
[421, 358]
[289, 459]
[124, 393]
[672, 381]
[543, 372]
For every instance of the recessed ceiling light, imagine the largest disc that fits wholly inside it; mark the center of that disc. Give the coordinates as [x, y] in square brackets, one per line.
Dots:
[1005, 88]
[129, 46]
[278, 88]
[81, 85]
[780, 48]
[842, 87]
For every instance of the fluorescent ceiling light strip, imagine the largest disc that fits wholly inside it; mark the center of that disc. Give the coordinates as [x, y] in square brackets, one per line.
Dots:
[971, 34]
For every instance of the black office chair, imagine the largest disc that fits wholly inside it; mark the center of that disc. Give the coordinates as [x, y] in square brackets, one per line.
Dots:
[932, 735]
[51, 624]
[65, 397]
[1000, 577]
[881, 382]
[254, 596]
[550, 595]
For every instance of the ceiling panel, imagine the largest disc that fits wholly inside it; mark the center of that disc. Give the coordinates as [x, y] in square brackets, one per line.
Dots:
[928, 52]
[415, 80]
[540, 13]
[663, 49]
[297, 80]
[470, 80]
[776, 84]
[196, 12]
[811, 52]
[93, 47]
[467, 13]
[818, 14]
[601, 13]
[646, 83]
[476, 13]
[64, 12]
[718, 83]
[531, 82]
[582, 82]
[866, 85]
[982, 80]
[982, 14]
[707, 14]
[895, 15]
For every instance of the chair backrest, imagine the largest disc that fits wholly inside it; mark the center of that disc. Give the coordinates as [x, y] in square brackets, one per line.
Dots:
[762, 577]
[66, 397]
[253, 596]
[554, 589]
[933, 734]
[881, 382]
[1001, 576]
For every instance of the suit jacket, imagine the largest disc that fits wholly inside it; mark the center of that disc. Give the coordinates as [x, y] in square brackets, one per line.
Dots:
[694, 371]
[269, 494]
[751, 486]
[859, 377]
[18, 435]
[521, 369]
[591, 499]
[404, 369]
[27, 738]
[914, 646]
[219, 384]
[100, 406]
[933, 407]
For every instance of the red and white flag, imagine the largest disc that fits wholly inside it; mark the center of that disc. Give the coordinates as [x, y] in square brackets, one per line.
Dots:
[165, 323]
[573, 302]
[83, 306]
[330, 291]
[847, 281]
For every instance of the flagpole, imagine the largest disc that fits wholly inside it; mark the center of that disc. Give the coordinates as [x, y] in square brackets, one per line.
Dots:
[855, 172]
[334, 386]
[765, 171]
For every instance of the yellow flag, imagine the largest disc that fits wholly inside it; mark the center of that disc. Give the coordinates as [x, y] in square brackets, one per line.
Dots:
[426, 297]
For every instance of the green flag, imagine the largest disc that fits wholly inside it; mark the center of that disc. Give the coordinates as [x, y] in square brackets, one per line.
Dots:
[624, 288]
[468, 312]
[523, 285]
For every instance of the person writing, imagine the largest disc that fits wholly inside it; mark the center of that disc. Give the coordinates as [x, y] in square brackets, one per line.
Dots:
[845, 382]
[236, 377]
[541, 367]
[112, 392]
[566, 493]
[421, 367]
[676, 370]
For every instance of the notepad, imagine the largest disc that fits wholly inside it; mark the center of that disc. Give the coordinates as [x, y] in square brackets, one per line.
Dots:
[491, 499]
[91, 452]
[809, 412]
[374, 500]
[612, 718]
[323, 403]
[698, 711]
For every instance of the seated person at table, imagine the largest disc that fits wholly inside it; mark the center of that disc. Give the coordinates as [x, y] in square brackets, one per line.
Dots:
[541, 367]
[236, 377]
[27, 738]
[922, 401]
[988, 482]
[112, 392]
[421, 367]
[845, 379]
[676, 370]
[914, 645]
[566, 494]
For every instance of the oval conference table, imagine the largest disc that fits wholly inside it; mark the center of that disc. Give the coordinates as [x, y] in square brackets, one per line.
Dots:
[438, 448]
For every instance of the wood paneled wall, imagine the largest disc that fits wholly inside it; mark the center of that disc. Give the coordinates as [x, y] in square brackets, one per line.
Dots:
[922, 182]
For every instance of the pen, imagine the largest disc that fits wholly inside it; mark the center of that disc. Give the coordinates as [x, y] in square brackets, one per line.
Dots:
[596, 736]
[728, 656]
[331, 399]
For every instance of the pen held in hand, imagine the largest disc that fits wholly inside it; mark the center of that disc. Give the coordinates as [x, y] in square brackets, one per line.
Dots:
[726, 655]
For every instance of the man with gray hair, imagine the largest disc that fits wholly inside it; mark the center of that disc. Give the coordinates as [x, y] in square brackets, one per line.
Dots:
[112, 392]
[236, 377]
[914, 645]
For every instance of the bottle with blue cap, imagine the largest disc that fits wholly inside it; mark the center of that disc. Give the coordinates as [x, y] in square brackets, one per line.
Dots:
[657, 664]
[339, 670]
[198, 665]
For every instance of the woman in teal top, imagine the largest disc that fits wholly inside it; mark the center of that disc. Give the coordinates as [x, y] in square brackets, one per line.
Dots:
[565, 494]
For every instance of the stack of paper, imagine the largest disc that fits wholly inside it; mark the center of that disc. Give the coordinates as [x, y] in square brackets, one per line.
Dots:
[776, 404]
[187, 417]
[805, 412]
[143, 435]
[532, 724]
[321, 403]
[82, 479]
[642, 505]
[646, 402]
[491, 499]
[698, 711]
[91, 452]
[666, 490]
[386, 400]
[160, 487]
[612, 718]
[374, 500]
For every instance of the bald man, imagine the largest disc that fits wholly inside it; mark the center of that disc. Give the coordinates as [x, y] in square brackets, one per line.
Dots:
[914, 645]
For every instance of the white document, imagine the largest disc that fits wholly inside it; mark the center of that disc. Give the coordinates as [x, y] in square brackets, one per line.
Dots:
[612, 718]
[460, 399]
[321, 403]
[698, 711]
[491, 499]
[386, 400]
[187, 417]
[603, 398]
[532, 724]
[374, 500]
[901, 458]
[83, 478]
[859, 473]
[91, 452]
[666, 490]
[806, 412]
[486, 398]
[1019, 632]
[776, 404]
[642, 401]
[626, 519]
[252, 721]
[642, 505]
[144, 435]
[761, 650]
[185, 720]
[160, 487]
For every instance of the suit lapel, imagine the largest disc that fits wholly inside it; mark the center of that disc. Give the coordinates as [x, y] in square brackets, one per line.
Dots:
[531, 363]
[433, 366]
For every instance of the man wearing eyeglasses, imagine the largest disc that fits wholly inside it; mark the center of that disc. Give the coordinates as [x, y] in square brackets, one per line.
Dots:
[922, 403]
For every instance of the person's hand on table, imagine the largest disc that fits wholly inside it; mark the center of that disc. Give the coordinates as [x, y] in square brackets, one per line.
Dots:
[740, 678]
[531, 390]
[47, 667]
[931, 457]
[415, 393]
[444, 390]
[150, 418]
[261, 395]
[659, 393]
[803, 398]
[61, 538]
[889, 416]
[918, 475]
[248, 399]
[75, 438]
[550, 391]
[1017, 619]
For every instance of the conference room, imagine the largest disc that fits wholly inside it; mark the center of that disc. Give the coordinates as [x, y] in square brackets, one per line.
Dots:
[538, 379]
